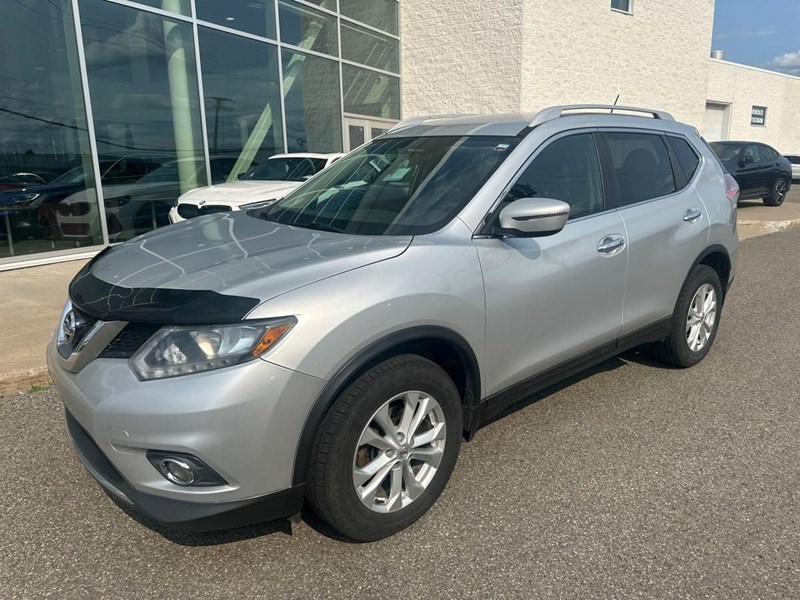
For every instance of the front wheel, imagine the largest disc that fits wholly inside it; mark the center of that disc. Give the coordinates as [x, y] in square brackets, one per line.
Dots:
[695, 320]
[778, 194]
[386, 449]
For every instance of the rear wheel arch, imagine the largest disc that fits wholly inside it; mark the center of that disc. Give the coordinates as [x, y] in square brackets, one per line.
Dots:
[717, 258]
[440, 345]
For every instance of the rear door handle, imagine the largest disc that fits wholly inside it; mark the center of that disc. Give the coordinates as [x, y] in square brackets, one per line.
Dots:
[611, 244]
[692, 215]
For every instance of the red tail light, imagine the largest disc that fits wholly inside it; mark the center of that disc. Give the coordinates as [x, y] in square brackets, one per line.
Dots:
[731, 188]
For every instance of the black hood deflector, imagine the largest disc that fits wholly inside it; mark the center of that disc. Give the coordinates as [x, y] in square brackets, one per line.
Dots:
[157, 306]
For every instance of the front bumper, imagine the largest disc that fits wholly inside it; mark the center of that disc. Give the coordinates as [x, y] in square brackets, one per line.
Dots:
[179, 514]
[244, 422]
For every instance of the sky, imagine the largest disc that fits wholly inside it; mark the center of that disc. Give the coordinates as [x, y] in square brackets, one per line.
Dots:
[760, 33]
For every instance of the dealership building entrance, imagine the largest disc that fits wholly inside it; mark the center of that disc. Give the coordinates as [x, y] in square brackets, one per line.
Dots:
[112, 108]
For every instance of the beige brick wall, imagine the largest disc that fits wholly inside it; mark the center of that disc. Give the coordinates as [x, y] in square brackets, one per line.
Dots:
[744, 87]
[460, 55]
[582, 51]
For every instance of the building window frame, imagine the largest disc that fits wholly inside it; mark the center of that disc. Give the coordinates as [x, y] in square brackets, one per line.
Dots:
[619, 9]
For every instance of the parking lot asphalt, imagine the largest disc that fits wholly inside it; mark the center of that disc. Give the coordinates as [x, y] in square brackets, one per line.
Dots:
[629, 481]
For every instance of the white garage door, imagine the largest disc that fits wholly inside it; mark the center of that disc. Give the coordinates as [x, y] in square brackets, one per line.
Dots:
[716, 123]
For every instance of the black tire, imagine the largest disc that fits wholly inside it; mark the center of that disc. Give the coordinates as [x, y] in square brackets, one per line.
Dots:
[330, 488]
[778, 194]
[674, 349]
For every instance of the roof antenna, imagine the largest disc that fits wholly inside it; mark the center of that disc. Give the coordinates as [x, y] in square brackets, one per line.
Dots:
[615, 103]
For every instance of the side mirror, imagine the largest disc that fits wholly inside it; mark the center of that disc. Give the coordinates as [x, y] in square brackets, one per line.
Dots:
[533, 217]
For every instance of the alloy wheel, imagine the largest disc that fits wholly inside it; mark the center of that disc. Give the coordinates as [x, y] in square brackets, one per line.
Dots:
[399, 451]
[780, 191]
[701, 318]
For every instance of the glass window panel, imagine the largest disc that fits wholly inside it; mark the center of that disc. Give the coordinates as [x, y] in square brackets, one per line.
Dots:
[143, 85]
[182, 7]
[355, 135]
[641, 166]
[47, 196]
[252, 16]
[312, 103]
[370, 93]
[568, 170]
[378, 13]
[308, 28]
[624, 5]
[370, 48]
[242, 93]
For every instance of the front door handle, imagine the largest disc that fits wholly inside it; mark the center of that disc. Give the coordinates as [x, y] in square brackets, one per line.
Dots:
[692, 215]
[611, 244]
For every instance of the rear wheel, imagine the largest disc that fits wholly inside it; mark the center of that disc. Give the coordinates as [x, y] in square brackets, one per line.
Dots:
[695, 321]
[386, 449]
[778, 194]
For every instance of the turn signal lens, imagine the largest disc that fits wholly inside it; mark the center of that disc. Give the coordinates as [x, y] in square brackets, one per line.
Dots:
[271, 337]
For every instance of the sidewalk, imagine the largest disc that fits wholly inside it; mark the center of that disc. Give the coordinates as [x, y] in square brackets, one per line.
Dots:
[32, 299]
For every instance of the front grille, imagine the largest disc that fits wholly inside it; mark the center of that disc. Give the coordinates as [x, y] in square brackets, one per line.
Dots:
[188, 211]
[83, 323]
[214, 208]
[129, 340]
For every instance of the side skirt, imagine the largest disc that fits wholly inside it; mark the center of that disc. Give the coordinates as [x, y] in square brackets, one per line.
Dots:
[498, 402]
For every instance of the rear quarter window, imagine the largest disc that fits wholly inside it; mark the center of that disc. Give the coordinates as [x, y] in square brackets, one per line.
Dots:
[688, 160]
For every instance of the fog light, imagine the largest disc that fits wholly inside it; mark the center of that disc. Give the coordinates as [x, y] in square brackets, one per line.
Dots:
[177, 471]
[184, 469]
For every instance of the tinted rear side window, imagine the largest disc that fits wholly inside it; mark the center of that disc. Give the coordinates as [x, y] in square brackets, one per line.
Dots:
[687, 157]
[641, 166]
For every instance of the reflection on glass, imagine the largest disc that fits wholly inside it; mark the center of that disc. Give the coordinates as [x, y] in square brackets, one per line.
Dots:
[252, 16]
[312, 103]
[367, 47]
[378, 13]
[181, 7]
[308, 28]
[44, 144]
[243, 99]
[143, 84]
[370, 93]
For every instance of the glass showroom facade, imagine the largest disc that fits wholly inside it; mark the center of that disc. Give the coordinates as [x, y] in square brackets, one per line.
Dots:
[110, 109]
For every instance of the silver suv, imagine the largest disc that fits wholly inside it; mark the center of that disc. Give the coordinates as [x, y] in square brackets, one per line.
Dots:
[338, 346]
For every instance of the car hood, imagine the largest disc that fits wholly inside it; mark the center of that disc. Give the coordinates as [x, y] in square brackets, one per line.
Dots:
[216, 268]
[241, 192]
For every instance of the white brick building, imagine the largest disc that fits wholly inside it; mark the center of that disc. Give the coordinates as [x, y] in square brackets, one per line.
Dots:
[522, 55]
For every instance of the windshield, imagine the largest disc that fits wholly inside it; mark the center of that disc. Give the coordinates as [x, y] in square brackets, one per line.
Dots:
[394, 186]
[289, 168]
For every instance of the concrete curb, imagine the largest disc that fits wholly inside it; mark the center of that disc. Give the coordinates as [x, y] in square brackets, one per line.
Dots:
[752, 228]
[24, 381]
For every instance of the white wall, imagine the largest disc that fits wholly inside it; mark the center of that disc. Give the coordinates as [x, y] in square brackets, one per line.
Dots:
[460, 55]
[582, 51]
[744, 87]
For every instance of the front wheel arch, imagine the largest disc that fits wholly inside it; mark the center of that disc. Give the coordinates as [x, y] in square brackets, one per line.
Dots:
[442, 346]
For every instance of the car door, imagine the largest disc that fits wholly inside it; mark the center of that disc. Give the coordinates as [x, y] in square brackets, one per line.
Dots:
[770, 159]
[550, 299]
[753, 170]
[666, 224]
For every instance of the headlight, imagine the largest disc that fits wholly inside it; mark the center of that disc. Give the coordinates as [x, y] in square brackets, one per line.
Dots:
[182, 350]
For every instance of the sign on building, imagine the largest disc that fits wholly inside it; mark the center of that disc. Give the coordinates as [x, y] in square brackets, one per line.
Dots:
[758, 117]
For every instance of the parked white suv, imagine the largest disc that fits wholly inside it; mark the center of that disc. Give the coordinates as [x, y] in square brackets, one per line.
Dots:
[270, 180]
